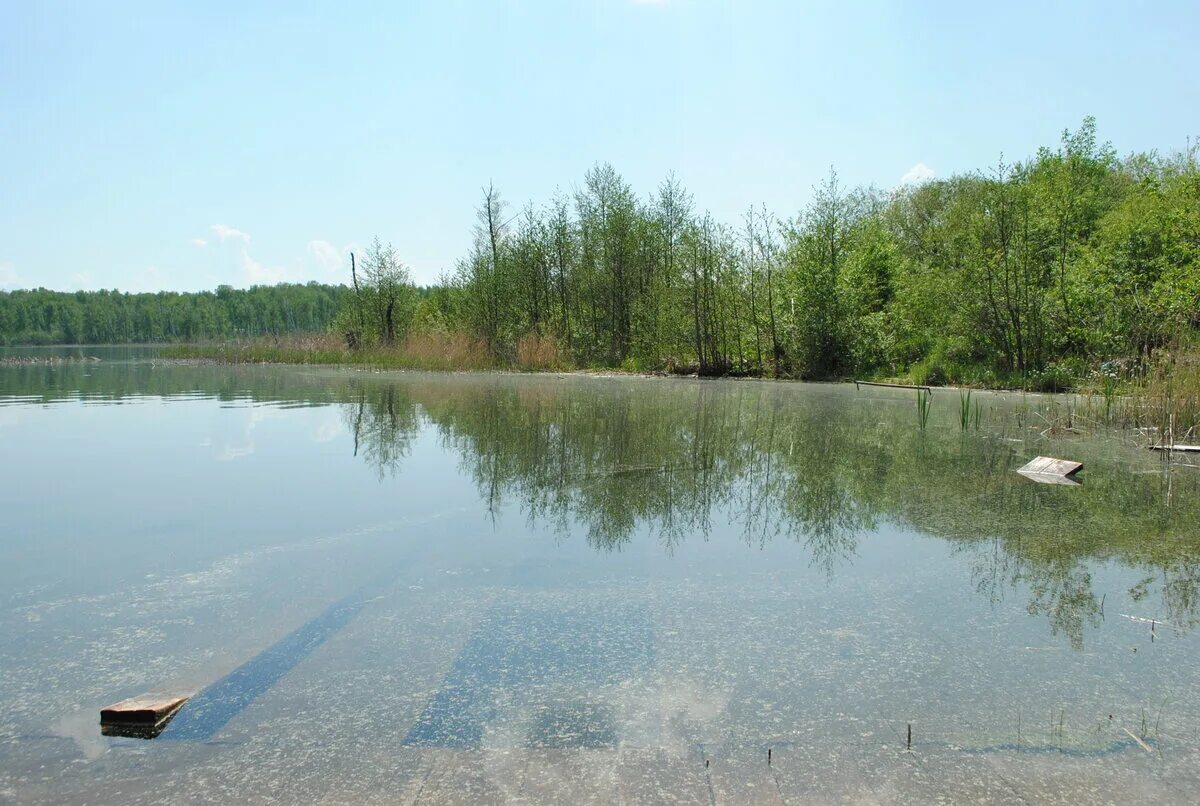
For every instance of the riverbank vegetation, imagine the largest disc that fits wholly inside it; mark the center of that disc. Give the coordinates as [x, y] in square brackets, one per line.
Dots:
[424, 350]
[1072, 266]
[1075, 268]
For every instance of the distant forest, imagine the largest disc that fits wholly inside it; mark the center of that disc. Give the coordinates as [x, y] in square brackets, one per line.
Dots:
[111, 317]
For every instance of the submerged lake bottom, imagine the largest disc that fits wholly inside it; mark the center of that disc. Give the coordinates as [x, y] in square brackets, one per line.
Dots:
[476, 588]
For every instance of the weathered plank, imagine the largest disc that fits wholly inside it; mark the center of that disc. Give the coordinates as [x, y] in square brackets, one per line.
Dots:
[145, 709]
[1053, 467]
[891, 385]
[1173, 448]
[1050, 478]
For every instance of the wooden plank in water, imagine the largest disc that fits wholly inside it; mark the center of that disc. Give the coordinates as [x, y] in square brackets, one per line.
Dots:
[1050, 478]
[891, 385]
[145, 709]
[1052, 467]
[1173, 448]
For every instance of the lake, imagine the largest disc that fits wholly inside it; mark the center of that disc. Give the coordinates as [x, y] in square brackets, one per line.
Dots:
[491, 587]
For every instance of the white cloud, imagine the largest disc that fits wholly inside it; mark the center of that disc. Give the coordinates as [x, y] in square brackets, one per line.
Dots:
[261, 274]
[82, 280]
[199, 242]
[326, 256]
[650, 2]
[917, 174]
[225, 233]
[9, 277]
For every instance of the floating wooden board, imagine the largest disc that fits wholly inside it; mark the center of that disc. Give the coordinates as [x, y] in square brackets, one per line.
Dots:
[1047, 470]
[891, 385]
[150, 709]
[1050, 478]
[133, 730]
[1180, 448]
[1051, 466]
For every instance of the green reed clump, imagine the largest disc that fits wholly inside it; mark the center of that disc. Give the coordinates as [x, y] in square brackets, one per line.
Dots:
[1164, 400]
[1108, 388]
[924, 399]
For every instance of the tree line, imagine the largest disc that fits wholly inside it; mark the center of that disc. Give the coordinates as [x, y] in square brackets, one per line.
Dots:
[40, 316]
[1073, 263]
[1034, 271]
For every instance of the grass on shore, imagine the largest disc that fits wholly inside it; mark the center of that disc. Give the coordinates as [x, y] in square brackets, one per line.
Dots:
[431, 350]
[426, 351]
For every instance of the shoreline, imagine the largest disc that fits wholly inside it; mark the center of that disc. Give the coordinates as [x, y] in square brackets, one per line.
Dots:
[316, 355]
[198, 356]
[879, 382]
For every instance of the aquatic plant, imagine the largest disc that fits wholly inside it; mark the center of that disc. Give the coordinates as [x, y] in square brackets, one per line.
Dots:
[424, 350]
[536, 352]
[924, 399]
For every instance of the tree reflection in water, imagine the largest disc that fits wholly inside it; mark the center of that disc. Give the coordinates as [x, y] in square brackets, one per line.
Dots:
[781, 463]
[817, 464]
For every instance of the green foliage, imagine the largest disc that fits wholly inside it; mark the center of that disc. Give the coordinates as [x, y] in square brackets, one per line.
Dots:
[1031, 275]
[1037, 274]
[40, 316]
[384, 302]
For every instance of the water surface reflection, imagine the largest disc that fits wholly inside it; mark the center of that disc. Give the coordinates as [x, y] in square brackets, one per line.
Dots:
[403, 582]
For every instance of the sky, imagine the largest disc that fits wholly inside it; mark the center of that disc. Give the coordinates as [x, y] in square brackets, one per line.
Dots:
[179, 146]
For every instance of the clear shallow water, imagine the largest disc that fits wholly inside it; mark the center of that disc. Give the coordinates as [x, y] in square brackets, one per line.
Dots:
[478, 587]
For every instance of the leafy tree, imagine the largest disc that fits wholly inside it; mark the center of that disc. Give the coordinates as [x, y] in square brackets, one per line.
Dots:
[389, 292]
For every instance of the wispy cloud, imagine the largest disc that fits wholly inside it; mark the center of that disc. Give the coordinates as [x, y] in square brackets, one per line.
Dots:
[9, 277]
[260, 273]
[225, 233]
[199, 242]
[917, 174]
[326, 255]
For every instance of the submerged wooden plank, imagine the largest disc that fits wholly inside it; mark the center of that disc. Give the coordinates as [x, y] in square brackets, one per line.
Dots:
[216, 705]
[1050, 478]
[145, 709]
[1050, 466]
[891, 385]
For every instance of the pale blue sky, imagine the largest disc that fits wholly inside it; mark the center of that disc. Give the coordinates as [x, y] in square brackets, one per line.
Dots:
[185, 145]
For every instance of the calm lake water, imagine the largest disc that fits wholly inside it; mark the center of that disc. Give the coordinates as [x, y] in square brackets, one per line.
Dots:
[478, 588]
